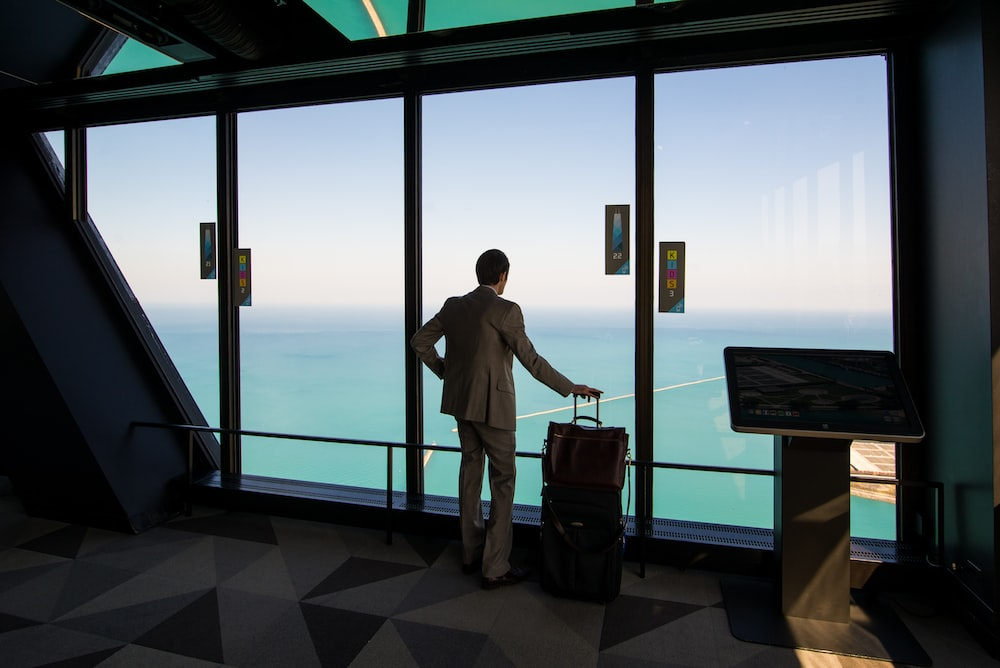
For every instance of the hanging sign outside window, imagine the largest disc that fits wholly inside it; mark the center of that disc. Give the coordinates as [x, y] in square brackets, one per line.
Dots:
[241, 276]
[671, 277]
[616, 239]
[208, 262]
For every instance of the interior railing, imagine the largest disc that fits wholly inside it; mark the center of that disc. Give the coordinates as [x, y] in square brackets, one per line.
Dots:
[641, 522]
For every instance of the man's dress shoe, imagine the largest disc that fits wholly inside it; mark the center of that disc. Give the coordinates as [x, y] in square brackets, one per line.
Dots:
[511, 577]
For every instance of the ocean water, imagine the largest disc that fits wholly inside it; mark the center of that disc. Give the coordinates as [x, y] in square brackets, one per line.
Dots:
[340, 374]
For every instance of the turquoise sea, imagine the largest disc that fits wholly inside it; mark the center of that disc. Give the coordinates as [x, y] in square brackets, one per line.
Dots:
[339, 373]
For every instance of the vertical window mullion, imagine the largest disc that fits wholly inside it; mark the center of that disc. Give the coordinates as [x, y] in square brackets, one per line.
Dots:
[229, 324]
[413, 272]
[644, 245]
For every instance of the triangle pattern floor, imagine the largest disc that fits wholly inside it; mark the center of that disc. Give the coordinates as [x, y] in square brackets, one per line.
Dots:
[237, 589]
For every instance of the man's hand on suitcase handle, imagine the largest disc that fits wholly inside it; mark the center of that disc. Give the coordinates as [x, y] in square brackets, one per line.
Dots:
[586, 391]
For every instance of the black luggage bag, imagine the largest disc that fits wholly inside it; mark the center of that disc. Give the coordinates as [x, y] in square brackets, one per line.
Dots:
[582, 526]
[582, 543]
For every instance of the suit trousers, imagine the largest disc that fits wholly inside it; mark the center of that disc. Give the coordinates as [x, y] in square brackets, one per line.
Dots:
[480, 443]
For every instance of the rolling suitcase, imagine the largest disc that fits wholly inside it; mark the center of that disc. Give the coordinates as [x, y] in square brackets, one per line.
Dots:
[582, 527]
[582, 543]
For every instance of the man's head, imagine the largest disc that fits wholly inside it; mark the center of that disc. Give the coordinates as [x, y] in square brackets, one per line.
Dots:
[492, 268]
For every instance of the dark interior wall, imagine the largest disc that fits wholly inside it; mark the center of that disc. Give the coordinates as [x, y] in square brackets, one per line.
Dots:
[991, 76]
[85, 373]
[950, 283]
[43, 450]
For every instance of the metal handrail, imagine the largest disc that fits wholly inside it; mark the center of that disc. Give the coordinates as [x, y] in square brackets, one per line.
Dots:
[193, 429]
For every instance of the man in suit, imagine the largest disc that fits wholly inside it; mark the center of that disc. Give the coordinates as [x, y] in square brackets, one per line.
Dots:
[483, 333]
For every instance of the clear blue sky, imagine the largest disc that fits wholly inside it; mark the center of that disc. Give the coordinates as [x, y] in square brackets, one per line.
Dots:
[775, 176]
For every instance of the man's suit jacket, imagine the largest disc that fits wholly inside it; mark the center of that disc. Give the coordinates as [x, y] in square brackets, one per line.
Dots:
[483, 333]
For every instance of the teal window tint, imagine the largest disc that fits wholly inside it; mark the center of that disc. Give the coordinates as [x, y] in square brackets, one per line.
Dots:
[873, 509]
[442, 14]
[363, 19]
[150, 185]
[777, 179]
[322, 344]
[748, 500]
[135, 56]
[529, 170]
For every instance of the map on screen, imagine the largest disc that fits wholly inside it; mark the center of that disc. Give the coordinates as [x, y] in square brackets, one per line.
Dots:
[851, 394]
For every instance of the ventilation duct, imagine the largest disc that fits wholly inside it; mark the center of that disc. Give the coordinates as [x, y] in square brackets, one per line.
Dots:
[222, 21]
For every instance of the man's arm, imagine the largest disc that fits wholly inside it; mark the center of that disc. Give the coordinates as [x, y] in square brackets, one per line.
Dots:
[423, 343]
[538, 366]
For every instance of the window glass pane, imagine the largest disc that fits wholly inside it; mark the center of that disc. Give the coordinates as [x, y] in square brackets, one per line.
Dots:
[135, 56]
[776, 178]
[529, 171]
[322, 344]
[458, 13]
[750, 505]
[57, 140]
[150, 185]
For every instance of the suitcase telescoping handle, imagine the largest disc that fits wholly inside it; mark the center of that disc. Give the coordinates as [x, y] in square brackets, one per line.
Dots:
[596, 418]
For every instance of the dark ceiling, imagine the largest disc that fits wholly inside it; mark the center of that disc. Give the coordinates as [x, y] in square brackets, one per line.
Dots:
[43, 41]
[238, 53]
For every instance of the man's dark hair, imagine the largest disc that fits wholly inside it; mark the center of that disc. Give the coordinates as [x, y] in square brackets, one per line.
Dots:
[490, 265]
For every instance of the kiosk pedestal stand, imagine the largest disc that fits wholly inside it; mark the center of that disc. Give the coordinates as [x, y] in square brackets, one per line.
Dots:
[809, 605]
[812, 527]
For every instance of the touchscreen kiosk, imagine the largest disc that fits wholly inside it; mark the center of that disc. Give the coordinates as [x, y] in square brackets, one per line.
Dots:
[849, 394]
[815, 402]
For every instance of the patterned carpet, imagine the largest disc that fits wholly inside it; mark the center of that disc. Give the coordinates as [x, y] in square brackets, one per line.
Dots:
[233, 589]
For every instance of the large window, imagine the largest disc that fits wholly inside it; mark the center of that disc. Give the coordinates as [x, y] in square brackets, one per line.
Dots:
[529, 170]
[776, 179]
[150, 186]
[322, 344]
